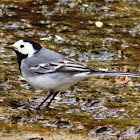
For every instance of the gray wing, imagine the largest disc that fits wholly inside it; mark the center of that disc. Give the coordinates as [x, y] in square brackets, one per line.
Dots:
[63, 65]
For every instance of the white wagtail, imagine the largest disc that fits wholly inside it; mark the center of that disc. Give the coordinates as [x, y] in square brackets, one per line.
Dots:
[50, 71]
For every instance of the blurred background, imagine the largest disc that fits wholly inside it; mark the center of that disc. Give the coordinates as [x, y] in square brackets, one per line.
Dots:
[104, 34]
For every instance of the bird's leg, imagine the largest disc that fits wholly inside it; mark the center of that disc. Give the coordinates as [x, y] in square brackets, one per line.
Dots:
[50, 93]
[54, 94]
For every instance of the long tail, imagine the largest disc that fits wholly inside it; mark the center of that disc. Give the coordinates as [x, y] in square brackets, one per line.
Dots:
[114, 73]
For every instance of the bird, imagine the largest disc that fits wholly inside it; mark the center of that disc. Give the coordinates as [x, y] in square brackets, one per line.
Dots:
[50, 71]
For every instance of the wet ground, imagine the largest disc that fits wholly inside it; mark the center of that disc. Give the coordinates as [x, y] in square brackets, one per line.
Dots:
[103, 34]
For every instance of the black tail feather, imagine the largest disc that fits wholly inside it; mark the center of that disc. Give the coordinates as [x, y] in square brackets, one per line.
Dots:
[114, 73]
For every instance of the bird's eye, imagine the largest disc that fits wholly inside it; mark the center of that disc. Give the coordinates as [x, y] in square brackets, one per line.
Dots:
[21, 46]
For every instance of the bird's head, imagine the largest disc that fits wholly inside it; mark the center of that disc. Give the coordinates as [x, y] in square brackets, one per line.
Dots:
[25, 47]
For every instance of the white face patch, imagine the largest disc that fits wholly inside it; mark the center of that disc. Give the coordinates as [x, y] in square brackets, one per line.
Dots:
[24, 48]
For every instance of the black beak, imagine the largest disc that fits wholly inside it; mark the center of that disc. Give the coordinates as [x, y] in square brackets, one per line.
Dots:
[9, 47]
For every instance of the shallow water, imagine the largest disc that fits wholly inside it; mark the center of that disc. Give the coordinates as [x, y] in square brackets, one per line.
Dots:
[94, 108]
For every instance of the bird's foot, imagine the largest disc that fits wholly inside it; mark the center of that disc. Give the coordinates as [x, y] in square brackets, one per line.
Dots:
[38, 107]
[29, 106]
